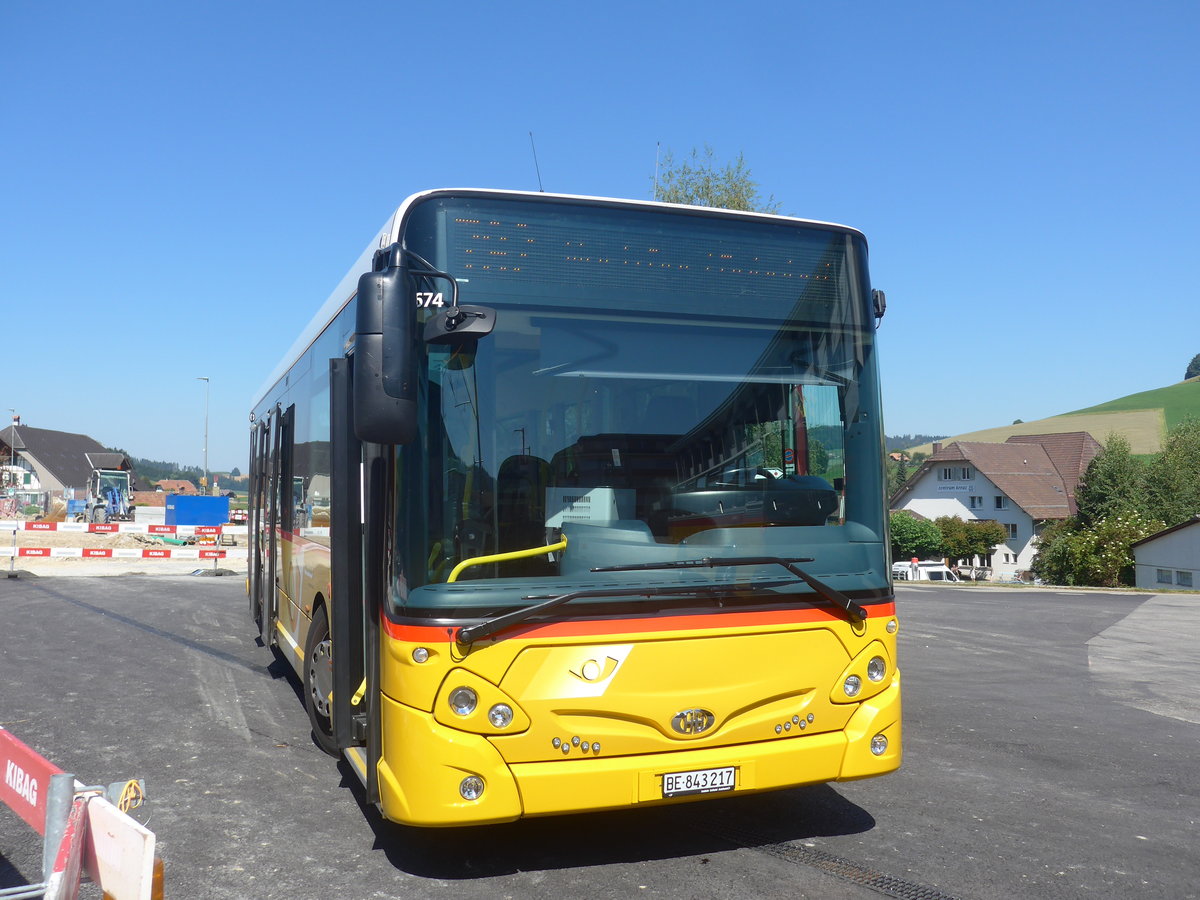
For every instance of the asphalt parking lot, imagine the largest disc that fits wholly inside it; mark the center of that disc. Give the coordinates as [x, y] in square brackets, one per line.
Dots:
[1051, 746]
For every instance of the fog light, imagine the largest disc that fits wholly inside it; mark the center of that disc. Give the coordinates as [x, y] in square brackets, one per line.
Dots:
[852, 686]
[879, 745]
[471, 787]
[892, 625]
[463, 700]
[420, 654]
[876, 668]
[500, 715]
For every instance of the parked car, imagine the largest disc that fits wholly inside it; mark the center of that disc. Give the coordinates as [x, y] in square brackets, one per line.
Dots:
[925, 571]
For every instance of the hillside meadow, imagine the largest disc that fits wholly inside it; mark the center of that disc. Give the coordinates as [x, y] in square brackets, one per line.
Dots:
[1143, 419]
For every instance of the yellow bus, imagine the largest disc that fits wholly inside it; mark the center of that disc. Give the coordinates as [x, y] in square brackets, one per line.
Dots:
[565, 504]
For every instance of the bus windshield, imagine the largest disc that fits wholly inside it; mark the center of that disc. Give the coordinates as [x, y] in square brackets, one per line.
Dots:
[660, 385]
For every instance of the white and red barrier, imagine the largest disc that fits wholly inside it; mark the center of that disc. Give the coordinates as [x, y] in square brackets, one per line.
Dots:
[82, 831]
[26, 786]
[126, 552]
[210, 533]
[123, 528]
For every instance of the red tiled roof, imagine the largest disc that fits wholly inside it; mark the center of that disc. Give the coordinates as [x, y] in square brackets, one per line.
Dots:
[1024, 472]
[1070, 452]
[1038, 472]
[177, 486]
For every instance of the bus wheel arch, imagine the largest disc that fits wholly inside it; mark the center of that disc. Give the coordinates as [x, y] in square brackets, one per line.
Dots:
[318, 680]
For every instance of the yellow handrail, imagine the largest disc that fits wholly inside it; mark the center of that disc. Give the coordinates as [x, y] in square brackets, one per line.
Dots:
[504, 557]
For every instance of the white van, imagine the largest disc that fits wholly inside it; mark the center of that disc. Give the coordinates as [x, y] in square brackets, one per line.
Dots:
[926, 571]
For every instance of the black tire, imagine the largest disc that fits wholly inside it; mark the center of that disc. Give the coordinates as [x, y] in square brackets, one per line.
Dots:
[318, 682]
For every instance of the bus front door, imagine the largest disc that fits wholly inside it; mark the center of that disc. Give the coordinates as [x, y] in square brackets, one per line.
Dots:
[358, 477]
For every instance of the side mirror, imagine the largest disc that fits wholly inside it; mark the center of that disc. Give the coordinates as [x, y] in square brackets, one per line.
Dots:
[385, 370]
[385, 406]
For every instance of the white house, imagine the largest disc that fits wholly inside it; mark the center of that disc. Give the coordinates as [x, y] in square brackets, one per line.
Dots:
[1022, 484]
[1169, 559]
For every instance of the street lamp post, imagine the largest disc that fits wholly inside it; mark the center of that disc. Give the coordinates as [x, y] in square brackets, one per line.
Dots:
[205, 380]
[9, 476]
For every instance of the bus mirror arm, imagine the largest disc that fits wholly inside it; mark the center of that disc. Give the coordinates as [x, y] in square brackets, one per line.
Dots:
[458, 324]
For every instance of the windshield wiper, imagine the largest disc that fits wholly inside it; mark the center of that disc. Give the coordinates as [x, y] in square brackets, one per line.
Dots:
[836, 597]
[489, 627]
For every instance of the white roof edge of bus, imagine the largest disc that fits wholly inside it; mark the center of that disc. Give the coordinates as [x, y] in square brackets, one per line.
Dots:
[349, 284]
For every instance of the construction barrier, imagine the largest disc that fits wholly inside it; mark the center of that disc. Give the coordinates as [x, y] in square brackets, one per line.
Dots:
[211, 541]
[126, 552]
[123, 528]
[85, 830]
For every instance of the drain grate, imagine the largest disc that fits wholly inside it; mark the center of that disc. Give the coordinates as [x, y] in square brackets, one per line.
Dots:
[837, 867]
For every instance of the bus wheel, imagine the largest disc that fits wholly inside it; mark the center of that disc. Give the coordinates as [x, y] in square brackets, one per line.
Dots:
[318, 682]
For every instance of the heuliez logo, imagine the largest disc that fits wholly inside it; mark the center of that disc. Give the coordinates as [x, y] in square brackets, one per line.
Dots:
[693, 721]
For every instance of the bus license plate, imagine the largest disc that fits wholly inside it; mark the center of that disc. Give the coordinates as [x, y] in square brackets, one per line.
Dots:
[701, 781]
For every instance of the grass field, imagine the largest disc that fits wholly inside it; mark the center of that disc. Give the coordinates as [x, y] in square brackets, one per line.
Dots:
[1143, 419]
[1178, 401]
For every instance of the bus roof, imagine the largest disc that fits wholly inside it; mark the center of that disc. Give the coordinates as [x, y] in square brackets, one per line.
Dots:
[389, 233]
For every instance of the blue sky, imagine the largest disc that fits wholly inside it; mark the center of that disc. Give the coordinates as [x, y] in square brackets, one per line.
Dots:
[183, 184]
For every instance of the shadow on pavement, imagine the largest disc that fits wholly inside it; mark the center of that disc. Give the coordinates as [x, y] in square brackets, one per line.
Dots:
[591, 839]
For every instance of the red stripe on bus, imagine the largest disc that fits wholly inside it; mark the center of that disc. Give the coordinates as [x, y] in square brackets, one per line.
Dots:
[608, 627]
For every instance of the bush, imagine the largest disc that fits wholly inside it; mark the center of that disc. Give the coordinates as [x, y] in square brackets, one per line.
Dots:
[1099, 555]
[914, 537]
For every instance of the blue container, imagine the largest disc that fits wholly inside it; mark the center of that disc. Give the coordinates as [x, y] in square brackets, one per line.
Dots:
[190, 509]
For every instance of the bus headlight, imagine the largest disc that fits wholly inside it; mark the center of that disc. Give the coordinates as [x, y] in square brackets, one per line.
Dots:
[468, 702]
[871, 672]
[500, 715]
[463, 701]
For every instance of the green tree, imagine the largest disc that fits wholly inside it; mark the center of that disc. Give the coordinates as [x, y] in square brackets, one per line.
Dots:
[1193, 368]
[914, 537]
[897, 473]
[1172, 483]
[984, 536]
[701, 181]
[818, 458]
[955, 542]
[1114, 482]
[967, 539]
